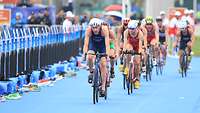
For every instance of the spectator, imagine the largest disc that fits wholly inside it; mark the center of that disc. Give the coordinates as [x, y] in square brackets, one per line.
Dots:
[24, 3]
[17, 22]
[60, 17]
[68, 21]
[40, 18]
[68, 6]
[32, 19]
[76, 20]
[46, 19]
[84, 19]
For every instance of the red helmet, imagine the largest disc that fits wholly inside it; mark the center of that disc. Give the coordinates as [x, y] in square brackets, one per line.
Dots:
[125, 21]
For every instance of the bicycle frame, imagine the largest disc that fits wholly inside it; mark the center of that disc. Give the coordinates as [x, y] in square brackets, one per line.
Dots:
[184, 63]
[149, 64]
[131, 74]
[97, 78]
[160, 59]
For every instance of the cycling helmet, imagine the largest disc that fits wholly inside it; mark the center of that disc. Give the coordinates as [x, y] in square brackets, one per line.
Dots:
[191, 11]
[162, 13]
[149, 20]
[177, 13]
[158, 18]
[186, 11]
[94, 22]
[125, 21]
[133, 24]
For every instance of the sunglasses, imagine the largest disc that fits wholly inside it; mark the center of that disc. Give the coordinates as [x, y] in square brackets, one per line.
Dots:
[94, 27]
[182, 29]
[131, 28]
[148, 24]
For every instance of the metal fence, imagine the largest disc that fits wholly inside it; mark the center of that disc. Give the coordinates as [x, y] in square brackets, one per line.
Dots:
[35, 47]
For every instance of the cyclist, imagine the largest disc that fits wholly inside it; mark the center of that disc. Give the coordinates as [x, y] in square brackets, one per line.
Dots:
[152, 36]
[113, 48]
[172, 30]
[162, 37]
[97, 40]
[120, 37]
[185, 39]
[133, 41]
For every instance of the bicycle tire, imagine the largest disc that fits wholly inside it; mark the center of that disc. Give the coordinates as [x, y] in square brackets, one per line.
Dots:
[124, 81]
[147, 68]
[95, 87]
[182, 64]
[186, 65]
[129, 86]
[106, 89]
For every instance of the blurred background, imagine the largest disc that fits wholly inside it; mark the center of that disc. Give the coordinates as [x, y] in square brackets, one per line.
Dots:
[138, 8]
[50, 12]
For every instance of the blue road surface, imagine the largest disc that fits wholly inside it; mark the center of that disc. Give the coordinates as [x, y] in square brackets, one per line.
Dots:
[164, 94]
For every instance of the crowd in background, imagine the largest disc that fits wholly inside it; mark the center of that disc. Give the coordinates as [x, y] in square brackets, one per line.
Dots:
[42, 18]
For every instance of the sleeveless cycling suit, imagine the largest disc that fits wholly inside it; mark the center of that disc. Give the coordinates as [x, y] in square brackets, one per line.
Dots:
[162, 37]
[150, 35]
[185, 38]
[134, 41]
[97, 43]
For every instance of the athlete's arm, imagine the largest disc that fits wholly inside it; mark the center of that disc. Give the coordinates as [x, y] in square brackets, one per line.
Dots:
[119, 34]
[191, 31]
[140, 41]
[86, 41]
[107, 40]
[125, 39]
[157, 34]
[144, 36]
[178, 36]
[166, 35]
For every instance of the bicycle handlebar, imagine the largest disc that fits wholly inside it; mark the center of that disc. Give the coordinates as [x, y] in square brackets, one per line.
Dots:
[132, 52]
[97, 54]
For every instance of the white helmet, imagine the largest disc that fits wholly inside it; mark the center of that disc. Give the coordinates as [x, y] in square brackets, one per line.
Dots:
[191, 11]
[177, 13]
[186, 11]
[94, 22]
[182, 24]
[162, 13]
[133, 24]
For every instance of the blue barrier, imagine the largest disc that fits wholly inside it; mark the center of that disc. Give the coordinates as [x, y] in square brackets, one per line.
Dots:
[11, 87]
[34, 47]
